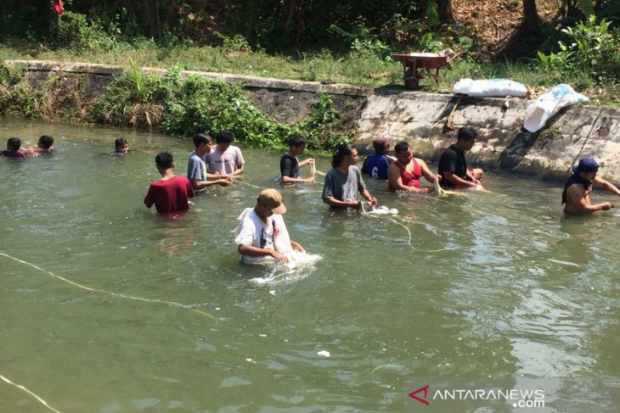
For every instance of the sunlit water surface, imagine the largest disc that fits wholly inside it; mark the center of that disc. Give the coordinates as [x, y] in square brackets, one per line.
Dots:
[495, 290]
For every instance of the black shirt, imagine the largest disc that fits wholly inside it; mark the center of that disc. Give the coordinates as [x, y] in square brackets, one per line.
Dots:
[452, 160]
[289, 166]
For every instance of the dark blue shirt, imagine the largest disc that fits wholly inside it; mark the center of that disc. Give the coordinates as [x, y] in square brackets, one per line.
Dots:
[376, 166]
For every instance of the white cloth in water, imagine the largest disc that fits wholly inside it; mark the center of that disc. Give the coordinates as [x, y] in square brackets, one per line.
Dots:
[382, 210]
[253, 231]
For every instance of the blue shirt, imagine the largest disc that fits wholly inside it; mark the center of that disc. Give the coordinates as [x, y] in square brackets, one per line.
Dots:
[376, 166]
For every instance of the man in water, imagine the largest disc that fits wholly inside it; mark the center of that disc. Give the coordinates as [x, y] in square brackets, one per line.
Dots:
[376, 165]
[171, 193]
[405, 173]
[13, 149]
[344, 181]
[121, 147]
[578, 188]
[262, 235]
[197, 168]
[225, 159]
[453, 170]
[289, 163]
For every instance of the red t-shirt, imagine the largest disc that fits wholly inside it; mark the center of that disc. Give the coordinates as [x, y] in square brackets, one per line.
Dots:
[169, 195]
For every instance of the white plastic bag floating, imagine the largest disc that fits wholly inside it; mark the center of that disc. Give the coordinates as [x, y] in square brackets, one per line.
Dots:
[547, 105]
[490, 88]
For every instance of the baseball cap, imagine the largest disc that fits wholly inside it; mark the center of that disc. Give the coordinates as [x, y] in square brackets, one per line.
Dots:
[587, 165]
[272, 199]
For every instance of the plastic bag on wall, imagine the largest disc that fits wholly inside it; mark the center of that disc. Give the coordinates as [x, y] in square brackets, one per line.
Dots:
[547, 105]
[490, 88]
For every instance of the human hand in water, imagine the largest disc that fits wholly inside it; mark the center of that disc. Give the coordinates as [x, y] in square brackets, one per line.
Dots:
[297, 246]
[607, 206]
[278, 256]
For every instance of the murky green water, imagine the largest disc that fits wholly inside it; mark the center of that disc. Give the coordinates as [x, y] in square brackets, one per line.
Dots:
[495, 291]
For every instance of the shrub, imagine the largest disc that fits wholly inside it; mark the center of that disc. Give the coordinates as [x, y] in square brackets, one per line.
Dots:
[75, 31]
[594, 48]
[183, 107]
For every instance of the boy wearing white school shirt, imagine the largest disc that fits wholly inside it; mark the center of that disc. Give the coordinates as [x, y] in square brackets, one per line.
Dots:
[262, 235]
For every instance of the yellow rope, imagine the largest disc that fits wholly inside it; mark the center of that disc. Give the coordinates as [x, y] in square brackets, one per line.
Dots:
[26, 390]
[100, 291]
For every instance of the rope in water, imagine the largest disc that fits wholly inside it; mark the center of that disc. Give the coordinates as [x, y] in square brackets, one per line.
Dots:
[410, 237]
[100, 291]
[30, 392]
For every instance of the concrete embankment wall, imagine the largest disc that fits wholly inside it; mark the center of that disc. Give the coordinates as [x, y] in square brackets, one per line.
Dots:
[428, 121]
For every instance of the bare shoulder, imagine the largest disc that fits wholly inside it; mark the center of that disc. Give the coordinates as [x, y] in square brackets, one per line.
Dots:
[576, 190]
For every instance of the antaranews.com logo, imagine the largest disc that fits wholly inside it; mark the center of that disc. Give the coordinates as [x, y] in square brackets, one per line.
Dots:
[519, 398]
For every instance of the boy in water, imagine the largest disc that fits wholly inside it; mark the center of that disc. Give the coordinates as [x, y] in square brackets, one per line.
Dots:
[344, 182]
[289, 163]
[171, 193]
[376, 165]
[45, 145]
[13, 149]
[453, 170]
[197, 168]
[225, 159]
[578, 188]
[262, 235]
[121, 147]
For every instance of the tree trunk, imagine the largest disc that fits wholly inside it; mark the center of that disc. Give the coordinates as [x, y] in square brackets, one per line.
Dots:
[531, 21]
[444, 7]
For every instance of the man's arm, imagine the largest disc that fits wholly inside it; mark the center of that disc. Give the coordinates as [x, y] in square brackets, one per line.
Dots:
[297, 246]
[289, 180]
[148, 199]
[286, 169]
[239, 163]
[426, 172]
[309, 161]
[606, 185]
[457, 180]
[330, 200]
[251, 251]
[578, 201]
[204, 184]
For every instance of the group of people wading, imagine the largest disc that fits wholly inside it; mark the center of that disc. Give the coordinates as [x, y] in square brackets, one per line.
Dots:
[262, 235]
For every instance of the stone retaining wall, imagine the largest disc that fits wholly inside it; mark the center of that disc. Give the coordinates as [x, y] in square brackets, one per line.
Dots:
[428, 121]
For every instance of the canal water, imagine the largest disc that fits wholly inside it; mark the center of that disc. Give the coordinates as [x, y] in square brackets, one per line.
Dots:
[485, 291]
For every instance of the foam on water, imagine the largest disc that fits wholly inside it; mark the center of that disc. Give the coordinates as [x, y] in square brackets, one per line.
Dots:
[299, 266]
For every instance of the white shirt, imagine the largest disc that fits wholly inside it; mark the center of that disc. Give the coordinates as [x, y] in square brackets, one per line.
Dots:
[253, 231]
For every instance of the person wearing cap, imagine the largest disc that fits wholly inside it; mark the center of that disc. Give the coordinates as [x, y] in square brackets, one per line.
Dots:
[290, 164]
[344, 182]
[376, 165]
[406, 173]
[262, 236]
[453, 169]
[578, 188]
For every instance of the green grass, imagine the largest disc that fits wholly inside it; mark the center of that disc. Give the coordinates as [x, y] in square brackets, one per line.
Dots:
[352, 68]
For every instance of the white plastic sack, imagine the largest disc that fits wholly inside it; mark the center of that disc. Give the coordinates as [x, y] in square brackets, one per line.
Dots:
[547, 105]
[490, 88]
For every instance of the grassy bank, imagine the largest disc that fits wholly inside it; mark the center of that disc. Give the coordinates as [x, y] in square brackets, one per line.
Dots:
[356, 68]
[176, 105]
